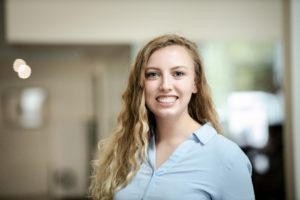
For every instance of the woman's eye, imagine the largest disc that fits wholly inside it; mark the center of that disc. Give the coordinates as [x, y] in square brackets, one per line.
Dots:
[178, 74]
[151, 75]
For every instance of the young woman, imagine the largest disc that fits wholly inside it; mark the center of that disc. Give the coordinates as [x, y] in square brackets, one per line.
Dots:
[166, 145]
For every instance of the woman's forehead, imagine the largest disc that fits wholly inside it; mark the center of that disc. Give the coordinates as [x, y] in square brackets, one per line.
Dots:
[170, 57]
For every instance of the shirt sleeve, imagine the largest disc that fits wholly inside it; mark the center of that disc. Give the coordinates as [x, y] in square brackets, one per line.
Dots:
[238, 182]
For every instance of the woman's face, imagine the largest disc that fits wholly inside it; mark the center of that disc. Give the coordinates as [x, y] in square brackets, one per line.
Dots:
[169, 82]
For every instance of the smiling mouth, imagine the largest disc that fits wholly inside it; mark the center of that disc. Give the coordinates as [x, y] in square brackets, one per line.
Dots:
[168, 99]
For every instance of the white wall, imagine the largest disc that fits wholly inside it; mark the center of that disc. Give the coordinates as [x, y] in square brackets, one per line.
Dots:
[99, 21]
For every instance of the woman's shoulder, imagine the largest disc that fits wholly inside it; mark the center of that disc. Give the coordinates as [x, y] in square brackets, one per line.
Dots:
[236, 169]
[226, 145]
[228, 163]
[216, 144]
[208, 135]
[224, 149]
[230, 153]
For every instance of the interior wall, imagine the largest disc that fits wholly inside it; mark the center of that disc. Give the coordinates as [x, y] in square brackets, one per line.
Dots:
[32, 21]
[31, 158]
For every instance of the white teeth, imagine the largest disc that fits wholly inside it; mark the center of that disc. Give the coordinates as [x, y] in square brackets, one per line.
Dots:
[167, 99]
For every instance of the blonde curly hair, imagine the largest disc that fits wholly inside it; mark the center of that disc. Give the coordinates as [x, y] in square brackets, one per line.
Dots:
[122, 154]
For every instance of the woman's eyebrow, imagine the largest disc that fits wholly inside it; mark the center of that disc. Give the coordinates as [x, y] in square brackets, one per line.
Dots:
[179, 66]
[151, 67]
[172, 68]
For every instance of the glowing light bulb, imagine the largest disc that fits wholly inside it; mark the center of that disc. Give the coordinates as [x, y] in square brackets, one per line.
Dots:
[22, 68]
[17, 63]
[24, 71]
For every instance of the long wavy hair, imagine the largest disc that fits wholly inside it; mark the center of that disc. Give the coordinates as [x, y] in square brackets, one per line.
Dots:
[122, 154]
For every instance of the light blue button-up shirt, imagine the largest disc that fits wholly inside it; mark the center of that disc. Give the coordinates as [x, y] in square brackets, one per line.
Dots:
[205, 166]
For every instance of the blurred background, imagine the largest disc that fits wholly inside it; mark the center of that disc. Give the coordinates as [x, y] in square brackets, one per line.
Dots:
[65, 63]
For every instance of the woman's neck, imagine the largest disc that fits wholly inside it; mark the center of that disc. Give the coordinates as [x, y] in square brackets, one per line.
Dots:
[175, 130]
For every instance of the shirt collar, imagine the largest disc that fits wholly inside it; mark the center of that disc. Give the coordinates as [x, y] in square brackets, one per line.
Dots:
[204, 133]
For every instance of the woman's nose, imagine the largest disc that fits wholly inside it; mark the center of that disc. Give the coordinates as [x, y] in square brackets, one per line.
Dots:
[166, 84]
